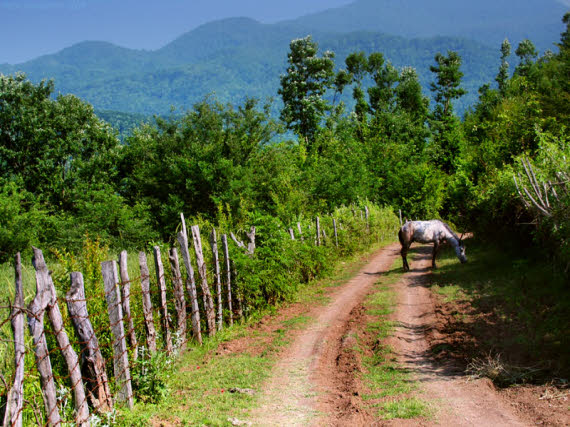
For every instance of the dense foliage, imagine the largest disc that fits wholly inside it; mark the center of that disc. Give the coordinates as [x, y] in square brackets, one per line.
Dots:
[64, 172]
[67, 182]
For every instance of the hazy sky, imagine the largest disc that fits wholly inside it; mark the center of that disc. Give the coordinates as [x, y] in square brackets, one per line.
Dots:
[30, 28]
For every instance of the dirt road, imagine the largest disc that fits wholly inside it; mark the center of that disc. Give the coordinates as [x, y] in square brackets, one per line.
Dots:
[314, 384]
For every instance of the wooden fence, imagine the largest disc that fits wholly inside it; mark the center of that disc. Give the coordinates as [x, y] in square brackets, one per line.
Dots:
[164, 325]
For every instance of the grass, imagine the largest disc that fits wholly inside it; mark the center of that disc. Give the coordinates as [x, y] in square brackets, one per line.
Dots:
[521, 305]
[198, 383]
[404, 408]
[383, 376]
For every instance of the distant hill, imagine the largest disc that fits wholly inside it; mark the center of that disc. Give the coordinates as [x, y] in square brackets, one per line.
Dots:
[233, 59]
[239, 57]
[486, 21]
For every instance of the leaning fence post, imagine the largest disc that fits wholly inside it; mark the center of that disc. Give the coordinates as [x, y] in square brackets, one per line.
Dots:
[163, 303]
[36, 312]
[147, 304]
[115, 310]
[179, 300]
[126, 290]
[291, 234]
[15, 401]
[239, 303]
[208, 303]
[182, 238]
[44, 280]
[335, 233]
[217, 278]
[318, 223]
[92, 362]
[228, 275]
[300, 231]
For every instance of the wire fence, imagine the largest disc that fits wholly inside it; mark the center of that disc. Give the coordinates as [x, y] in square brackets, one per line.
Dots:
[92, 346]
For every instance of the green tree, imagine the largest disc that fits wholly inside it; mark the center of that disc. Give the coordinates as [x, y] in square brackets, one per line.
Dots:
[52, 146]
[448, 80]
[526, 51]
[303, 88]
[503, 74]
[445, 126]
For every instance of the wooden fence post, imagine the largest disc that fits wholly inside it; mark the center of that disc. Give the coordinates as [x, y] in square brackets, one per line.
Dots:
[217, 277]
[36, 312]
[15, 401]
[291, 234]
[120, 356]
[300, 231]
[126, 300]
[208, 303]
[44, 280]
[318, 224]
[228, 275]
[163, 302]
[179, 300]
[251, 238]
[239, 305]
[147, 304]
[182, 238]
[92, 362]
[366, 215]
[400, 211]
[335, 233]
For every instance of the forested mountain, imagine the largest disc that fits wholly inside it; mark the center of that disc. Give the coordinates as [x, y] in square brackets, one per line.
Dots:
[487, 21]
[233, 59]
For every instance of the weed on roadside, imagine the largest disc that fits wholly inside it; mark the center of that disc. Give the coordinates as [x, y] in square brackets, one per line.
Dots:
[383, 375]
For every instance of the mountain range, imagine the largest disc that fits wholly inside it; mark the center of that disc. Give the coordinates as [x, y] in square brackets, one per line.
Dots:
[239, 57]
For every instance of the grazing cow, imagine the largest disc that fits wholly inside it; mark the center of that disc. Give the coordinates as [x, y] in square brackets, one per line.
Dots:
[434, 231]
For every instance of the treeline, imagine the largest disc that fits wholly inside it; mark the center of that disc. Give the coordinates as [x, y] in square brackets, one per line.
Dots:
[64, 172]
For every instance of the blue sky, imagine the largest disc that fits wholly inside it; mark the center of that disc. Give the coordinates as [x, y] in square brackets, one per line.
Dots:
[30, 28]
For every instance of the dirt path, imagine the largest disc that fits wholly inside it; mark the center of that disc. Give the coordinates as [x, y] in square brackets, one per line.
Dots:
[308, 388]
[459, 402]
[304, 389]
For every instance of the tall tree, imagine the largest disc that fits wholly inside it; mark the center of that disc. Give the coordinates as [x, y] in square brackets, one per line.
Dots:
[445, 126]
[503, 74]
[357, 66]
[303, 88]
[448, 81]
[526, 51]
